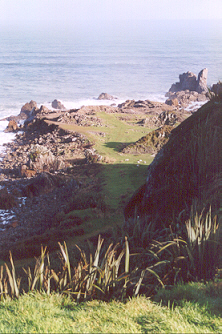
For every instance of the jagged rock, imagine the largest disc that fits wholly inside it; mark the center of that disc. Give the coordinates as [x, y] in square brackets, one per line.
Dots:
[58, 105]
[91, 156]
[43, 110]
[105, 96]
[202, 81]
[186, 169]
[28, 107]
[167, 118]
[185, 98]
[37, 113]
[12, 126]
[189, 81]
[127, 104]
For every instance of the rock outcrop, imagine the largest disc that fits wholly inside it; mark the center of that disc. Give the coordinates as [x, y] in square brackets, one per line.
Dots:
[168, 118]
[151, 143]
[92, 156]
[58, 105]
[189, 89]
[105, 96]
[28, 107]
[172, 102]
[189, 81]
[12, 126]
[187, 169]
[202, 81]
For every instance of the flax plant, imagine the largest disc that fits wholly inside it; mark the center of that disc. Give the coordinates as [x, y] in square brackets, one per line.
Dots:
[193, 258]
[117, 273]
[9, 284]
[203, 245]
[40, 279]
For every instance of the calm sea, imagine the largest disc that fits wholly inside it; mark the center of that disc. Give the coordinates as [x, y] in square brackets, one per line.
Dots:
[130, 60]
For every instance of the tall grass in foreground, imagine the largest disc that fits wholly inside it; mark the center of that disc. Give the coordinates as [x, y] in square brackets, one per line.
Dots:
[125, 270]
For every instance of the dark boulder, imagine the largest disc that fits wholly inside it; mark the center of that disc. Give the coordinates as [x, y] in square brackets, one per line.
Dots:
[105, 96]
[58, 105]
[217, 88]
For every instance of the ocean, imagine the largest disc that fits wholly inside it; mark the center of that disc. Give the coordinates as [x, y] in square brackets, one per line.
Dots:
[129, 60]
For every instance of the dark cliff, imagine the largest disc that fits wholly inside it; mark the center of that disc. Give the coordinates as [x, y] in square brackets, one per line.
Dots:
[187, 169]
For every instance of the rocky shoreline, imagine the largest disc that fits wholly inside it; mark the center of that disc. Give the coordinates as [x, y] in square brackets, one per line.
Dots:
[41, 168]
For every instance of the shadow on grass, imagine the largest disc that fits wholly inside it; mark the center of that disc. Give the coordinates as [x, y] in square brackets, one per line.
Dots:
[117, 146]
[205, 295]
[73, 213]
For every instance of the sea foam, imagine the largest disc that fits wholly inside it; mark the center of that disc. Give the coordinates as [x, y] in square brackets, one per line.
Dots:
[5, 137]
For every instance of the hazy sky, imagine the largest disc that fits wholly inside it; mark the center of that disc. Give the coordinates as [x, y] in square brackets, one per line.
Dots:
[68, 11]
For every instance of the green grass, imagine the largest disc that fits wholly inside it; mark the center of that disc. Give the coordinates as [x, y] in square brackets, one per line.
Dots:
[209, 296]
[116, 133]
[121, 174]
[39, 313]
[121, 180]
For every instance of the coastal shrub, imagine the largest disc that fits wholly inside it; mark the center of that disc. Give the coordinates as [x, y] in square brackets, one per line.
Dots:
[140, 263]
[105, 276]
[191, 248]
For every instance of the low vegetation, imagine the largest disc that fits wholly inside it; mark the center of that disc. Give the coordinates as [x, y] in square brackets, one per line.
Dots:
[151, 143]
[111, 281]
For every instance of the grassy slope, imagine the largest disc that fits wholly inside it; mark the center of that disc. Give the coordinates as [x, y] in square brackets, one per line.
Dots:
[197, 312]
[116, 133]
[121, 174]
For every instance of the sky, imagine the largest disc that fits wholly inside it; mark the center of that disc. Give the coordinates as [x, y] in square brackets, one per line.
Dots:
[23, 12]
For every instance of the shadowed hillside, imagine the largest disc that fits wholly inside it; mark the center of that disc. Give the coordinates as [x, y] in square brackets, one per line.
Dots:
[187, 169]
